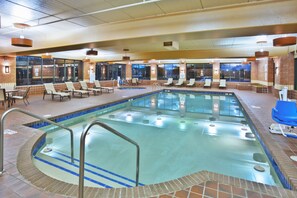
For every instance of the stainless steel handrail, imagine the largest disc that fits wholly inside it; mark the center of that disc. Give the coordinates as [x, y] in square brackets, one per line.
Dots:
[32, 115]
[82, 153]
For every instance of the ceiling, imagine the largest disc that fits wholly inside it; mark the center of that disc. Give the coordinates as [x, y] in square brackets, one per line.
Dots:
[201, 28]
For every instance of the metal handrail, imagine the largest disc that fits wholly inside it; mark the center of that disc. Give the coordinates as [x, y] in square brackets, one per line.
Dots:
[82, 153]
[32, 115]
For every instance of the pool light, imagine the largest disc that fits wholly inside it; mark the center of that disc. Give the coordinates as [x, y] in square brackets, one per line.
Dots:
[129, 117]
[182, 125]
[159, 122]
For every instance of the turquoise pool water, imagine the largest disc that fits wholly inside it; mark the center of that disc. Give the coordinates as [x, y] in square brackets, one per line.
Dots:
[178, 133]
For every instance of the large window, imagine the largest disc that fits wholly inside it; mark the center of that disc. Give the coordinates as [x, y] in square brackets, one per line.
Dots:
[235, 72]
[32, 70]
[105, 71]
[141, 71]
[166, 71]
[199, 71]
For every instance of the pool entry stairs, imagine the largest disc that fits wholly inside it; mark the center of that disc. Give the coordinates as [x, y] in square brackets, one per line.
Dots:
[95, 175]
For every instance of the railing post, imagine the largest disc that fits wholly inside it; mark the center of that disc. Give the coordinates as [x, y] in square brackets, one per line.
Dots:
[32, 115]
[82, 153]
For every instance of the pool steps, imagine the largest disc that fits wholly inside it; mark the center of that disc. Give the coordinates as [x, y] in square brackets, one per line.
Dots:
[94, 175]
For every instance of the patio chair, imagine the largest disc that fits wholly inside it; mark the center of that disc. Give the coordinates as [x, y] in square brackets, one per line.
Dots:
[180, 82]
[71, 88]
[84, 86]
[285, 113]
[98, 86]
[24, 96]
[134, 81]
[283, 94]
[207, 83]
[169, 82]
[191, 83]
[4, 98]
[222, 83]
[49, 89]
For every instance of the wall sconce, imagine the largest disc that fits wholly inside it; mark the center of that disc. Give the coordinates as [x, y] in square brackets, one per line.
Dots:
[153, 70]
[6, 69]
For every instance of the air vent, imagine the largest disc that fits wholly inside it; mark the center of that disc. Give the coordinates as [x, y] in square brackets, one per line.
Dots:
[171, 45]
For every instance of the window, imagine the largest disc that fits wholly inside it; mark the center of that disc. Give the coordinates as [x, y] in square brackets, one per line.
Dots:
[32, 70]
[166, 71]
[199, 71]
[141, 71]
[105, 71]
[235, 72]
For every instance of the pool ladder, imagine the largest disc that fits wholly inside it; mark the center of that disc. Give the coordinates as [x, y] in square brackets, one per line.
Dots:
[82, 153]
[34, 116]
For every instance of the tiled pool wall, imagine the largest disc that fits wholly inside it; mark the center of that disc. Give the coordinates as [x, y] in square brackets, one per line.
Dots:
[282, 178]
[280, 175]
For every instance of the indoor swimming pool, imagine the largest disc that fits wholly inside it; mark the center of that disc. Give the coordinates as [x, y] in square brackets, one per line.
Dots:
[179, 133]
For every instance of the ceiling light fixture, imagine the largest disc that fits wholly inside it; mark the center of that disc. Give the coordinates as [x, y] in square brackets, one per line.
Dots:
[21, 41]
[92, 52]
[261, 54]
[284, 41]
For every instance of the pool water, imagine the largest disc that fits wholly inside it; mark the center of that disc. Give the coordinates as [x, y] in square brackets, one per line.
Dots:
[179, 133]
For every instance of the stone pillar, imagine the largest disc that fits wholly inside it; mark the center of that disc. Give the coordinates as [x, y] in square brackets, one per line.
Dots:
[216, 71]
[284, 71]
[154, 70]
[128, 71]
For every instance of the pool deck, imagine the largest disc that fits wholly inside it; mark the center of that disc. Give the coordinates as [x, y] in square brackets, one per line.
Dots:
[32, 183]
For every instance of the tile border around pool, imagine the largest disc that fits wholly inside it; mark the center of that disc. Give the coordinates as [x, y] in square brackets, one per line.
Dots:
[278, 156]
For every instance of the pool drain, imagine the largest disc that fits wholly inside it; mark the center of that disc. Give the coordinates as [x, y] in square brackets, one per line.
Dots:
[293, 157]
[249, 135]
[111, 116]
[47, 150]
[259, 168]
[146, 121]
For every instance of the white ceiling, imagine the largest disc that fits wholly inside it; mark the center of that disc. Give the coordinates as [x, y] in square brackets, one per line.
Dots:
[203, 28]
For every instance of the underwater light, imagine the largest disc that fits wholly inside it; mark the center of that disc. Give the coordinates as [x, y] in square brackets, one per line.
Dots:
[159, 121]
[129, 117]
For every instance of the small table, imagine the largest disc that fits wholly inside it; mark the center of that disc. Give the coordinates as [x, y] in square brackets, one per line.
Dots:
[9, 94]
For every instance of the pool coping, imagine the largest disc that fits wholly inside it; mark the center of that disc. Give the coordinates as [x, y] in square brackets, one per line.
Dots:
[39, 179]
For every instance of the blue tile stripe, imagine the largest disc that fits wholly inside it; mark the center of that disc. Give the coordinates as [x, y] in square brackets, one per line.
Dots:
[90, 171]
[71, 172]
[101, 169]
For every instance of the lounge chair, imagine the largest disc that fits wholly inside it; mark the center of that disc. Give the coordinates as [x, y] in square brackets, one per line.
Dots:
[283, 94]
[207, 83]
[284, 113]
[222, 83]
[134, 81]
[24, 96]
[169, 82]
[191, 82]
[84, 86]
[49, 89]
[180, 82]
[98, 86]
[71, 88]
